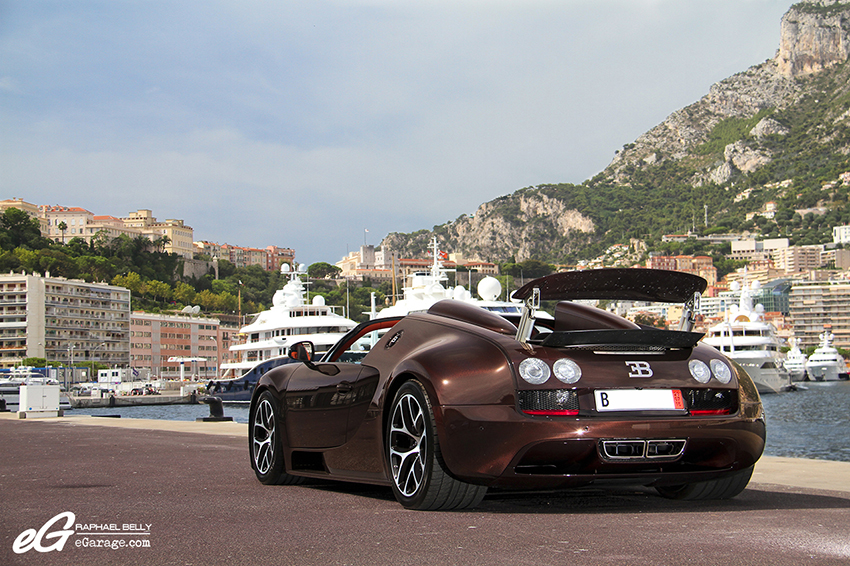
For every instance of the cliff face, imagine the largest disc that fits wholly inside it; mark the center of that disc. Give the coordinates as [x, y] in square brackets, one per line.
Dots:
[523, 226]
[815, 37]
[742, 95]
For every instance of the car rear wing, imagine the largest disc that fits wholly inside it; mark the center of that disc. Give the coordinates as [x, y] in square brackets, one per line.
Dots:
[653, 285]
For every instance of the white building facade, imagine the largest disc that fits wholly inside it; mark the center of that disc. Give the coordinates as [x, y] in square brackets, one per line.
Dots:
[62, 320]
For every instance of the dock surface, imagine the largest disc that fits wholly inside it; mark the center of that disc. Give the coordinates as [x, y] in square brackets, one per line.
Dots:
[183, 493]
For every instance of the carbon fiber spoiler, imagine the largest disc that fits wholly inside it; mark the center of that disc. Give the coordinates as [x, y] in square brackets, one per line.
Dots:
[654, 285]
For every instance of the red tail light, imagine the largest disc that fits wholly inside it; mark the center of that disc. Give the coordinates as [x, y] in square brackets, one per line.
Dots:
[701, 413]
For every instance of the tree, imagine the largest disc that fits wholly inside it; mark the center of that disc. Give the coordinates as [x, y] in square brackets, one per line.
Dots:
[647, 319]
[62, 228]
[321, 270]
[184, 293]
[98, 267]
[160, 243]
[18, 229]
[158, 290]
[227, 302]
[131, 281]
[208, 300]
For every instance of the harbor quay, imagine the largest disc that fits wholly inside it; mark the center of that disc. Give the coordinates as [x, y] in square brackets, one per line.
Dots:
[85, 490]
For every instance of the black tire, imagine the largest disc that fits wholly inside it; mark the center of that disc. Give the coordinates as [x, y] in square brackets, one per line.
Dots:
[419, 477]
[726, 487]
[264, 439]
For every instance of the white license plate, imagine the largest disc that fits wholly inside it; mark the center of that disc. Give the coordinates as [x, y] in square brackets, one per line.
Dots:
[639, 400]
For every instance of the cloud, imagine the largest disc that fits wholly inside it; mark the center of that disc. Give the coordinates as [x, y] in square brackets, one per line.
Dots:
[297, 124]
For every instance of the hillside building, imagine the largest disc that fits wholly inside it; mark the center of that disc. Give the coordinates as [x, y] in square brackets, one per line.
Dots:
[82, 223]
[75, 220]
[797, 259]
[179, 235]
[755, 250]
[369, 263]
[701, 265]
[841, 234]
[269, 258]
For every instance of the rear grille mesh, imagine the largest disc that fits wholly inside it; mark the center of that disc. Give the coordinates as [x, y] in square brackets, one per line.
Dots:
[711, 400]
[548, 400]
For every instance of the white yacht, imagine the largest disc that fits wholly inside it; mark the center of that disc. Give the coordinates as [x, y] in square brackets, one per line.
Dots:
[825, 363]
[292, 318]
[795, 361]
[425, 289]
[745, 337]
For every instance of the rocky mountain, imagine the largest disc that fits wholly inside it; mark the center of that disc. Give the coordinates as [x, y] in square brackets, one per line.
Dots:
[787, 118]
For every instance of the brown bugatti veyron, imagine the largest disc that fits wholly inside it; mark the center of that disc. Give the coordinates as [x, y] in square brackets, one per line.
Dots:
[441, 405]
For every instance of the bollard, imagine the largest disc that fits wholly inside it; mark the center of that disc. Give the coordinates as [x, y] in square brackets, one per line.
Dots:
[3, 406]
[216, 411]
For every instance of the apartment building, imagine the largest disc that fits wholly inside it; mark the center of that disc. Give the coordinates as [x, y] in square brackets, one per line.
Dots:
[161, 343]
[797, 259]
[755, 250]
[269, 258]
[67, 321]
[816, 304]
[701, 265]
[367, 262]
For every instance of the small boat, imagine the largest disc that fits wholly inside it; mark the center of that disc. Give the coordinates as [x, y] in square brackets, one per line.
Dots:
[795, 361]
[238, 389]
[826, 364]
[748, 339]
[11, 381]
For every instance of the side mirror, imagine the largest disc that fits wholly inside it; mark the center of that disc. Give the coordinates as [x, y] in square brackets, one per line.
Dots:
[301, 351]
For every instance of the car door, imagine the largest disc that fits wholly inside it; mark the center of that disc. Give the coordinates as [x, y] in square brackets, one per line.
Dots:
[318, 399]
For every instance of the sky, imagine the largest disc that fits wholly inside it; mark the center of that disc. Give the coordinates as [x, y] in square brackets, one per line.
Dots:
[323, 125]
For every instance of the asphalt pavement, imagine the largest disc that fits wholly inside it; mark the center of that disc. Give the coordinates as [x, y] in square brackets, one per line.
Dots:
[184, 494]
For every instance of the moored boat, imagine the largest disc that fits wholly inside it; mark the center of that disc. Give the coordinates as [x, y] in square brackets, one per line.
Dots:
[270, 335]
[747, 338]
[825, 363]
[795, 361]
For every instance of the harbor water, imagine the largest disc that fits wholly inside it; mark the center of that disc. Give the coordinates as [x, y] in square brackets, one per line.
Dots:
[813, 422]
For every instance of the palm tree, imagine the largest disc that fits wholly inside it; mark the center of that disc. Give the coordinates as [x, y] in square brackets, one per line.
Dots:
[62, 228]
[160, 243]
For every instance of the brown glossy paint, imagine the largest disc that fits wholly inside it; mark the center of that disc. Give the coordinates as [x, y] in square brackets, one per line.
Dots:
[469, 373]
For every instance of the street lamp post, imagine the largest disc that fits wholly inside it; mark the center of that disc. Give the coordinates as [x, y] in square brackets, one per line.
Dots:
[91, 359]
[71, 358]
